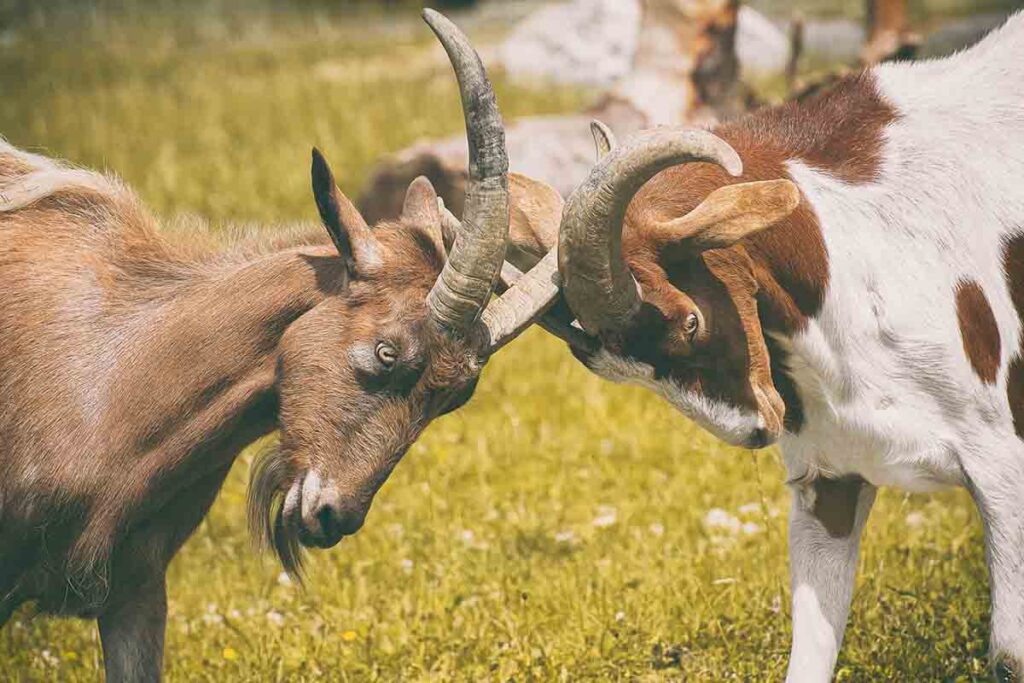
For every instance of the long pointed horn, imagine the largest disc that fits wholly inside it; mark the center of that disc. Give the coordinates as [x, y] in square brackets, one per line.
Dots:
[598, 284]
[464, 286]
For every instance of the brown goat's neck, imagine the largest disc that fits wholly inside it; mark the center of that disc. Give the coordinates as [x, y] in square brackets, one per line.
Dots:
[193, 382]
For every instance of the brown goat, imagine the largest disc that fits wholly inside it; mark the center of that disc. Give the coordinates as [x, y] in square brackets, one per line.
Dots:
[133, 370]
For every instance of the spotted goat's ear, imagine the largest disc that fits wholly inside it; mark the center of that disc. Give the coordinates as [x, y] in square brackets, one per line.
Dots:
[729, 214]
[348, 230]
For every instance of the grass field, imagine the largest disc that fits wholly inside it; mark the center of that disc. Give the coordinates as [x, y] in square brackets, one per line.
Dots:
[558, 527]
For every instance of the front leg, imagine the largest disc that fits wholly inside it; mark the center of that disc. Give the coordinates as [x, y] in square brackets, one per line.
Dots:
[824, 537]
[996, 481]
[132, 633]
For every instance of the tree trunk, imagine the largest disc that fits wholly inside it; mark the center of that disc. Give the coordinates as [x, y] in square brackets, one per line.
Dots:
[685, 69]
[685, 72]
[888, 32]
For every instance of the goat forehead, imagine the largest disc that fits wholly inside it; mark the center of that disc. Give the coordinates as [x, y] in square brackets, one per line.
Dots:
[453, 362]
[410, 253]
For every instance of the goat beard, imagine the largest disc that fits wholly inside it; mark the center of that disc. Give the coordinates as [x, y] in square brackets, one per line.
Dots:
[271, 476]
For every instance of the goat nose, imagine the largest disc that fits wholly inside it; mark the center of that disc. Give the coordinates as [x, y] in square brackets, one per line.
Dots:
[336, 520]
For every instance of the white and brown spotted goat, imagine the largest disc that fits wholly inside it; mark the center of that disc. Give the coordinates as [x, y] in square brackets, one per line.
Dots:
[844, 276]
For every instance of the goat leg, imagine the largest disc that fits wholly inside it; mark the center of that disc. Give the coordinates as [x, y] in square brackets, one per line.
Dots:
[132, 634]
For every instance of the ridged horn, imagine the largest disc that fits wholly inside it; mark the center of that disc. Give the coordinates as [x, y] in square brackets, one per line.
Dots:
[597, 282]
[465, 284]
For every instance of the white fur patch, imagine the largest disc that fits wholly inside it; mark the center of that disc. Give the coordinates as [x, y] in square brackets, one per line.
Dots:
[311, 487]
[888, 391]
[728, 423]
[292, 500]
[815, 650]
[30, 188]
[46, 178]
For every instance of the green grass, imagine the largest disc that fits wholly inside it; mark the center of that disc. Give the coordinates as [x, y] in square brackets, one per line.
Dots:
[554, 529]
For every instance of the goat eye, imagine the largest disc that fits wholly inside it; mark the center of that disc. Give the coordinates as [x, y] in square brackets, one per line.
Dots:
[386, 354]
[692, 325]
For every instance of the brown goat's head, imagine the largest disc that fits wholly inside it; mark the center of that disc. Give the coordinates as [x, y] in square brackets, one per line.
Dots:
[659, 279]
[401, 339]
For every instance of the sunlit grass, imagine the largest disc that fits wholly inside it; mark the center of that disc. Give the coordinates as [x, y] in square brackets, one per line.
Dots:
[558, 527]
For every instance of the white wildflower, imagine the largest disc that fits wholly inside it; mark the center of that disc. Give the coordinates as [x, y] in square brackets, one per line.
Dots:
[606, 517]
[212, 616]
[718, 519]
[275, 617]
[749, 509]
[620, 616]
[915, 519]
[565, 536]
[750, 529]
[49, 658]
[407, 565]
[283, 579]
[657, 529]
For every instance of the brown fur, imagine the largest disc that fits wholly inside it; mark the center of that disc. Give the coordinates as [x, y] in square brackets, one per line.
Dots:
[978, 330]
[1013, 267]
[771, 281]
[134, 368]
[835, 504]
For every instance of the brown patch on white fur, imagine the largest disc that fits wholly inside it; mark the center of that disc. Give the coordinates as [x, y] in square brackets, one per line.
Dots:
[1013, 269]
[835, 504]
[776, 278]
[978, 330]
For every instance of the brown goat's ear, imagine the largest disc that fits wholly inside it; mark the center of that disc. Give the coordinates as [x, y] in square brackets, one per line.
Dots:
[731, 213]
[349, 231]
[421, 210]
[535, 211]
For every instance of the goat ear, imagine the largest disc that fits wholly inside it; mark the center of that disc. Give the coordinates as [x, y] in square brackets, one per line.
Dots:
[535, 212]
[421, 209]
[731, 213]
[346, 226]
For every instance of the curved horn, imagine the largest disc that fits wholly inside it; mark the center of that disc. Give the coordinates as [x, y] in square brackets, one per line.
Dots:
[598, 284]
[464, 286]
[526, 299]
[604, 138]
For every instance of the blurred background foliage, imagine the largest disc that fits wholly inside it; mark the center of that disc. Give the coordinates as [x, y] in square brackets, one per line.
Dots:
[558, 527]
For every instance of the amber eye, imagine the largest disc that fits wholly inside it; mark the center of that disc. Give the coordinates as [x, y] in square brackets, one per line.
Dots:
[691, 325]
[386, 354]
